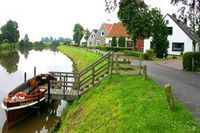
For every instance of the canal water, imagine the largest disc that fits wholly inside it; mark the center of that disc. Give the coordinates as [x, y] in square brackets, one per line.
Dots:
[12, 68]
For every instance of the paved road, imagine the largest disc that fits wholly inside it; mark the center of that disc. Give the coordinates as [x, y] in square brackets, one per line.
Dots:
[186, 85]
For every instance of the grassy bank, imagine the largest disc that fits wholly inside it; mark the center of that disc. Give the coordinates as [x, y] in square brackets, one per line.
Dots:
[81, 57]
[123, 103]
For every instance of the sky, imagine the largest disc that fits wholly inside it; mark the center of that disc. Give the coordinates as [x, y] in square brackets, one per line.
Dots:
[45, 18]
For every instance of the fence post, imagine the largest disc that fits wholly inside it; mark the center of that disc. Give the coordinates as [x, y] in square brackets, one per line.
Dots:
[145, 72]
[109, 63]
[117, 63]
[93, 75]
[78, 84]
[192, 64]
[111, 67]
[169, 96]
[140, 64]
[25, 77]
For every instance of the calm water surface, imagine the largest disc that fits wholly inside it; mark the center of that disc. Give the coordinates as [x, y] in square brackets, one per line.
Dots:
[12, 68]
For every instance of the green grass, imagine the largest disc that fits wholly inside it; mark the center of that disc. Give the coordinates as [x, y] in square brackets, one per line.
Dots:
[81, 56]
[125, 104]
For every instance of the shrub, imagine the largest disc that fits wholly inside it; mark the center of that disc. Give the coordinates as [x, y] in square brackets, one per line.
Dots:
[145, 56]
[150, 54]
[114, 42]
[115, 49]
[134, 53]
[121, 41]
[187, 61]
[5, 46]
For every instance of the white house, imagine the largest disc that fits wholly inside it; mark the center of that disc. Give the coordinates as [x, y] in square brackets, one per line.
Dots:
[90, 41]
[180, 37]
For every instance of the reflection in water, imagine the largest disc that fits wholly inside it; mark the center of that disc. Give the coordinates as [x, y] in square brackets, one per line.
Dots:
[9, 61]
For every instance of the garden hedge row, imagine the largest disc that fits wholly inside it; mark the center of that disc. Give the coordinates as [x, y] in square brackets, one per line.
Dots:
[187, 61]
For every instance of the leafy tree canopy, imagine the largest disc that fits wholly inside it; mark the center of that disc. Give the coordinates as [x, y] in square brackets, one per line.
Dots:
[78, 33]
[10, 31]
[87, 34]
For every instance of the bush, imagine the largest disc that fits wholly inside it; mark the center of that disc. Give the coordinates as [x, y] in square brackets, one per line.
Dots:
[187, 61]
[5, 46]
[114, 42]
[121, 41]
[115, 49]
[150, 54]
[145, 56]
[134, 53]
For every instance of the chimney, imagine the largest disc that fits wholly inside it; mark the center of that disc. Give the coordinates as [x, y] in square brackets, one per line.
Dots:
[174, 15]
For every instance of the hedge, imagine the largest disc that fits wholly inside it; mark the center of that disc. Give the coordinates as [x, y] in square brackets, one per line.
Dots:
[187, 61]
[115, 49]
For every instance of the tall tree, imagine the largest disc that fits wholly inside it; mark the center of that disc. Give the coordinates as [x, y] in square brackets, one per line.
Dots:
[159, 34]
[87, 34]
[10, 31]
[26, 40]
[136, 17]
[78, 33]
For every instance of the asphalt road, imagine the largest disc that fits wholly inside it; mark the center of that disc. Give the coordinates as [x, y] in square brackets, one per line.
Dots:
[186, 85]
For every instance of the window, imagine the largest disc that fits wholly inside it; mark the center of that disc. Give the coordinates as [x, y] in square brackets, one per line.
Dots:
[102, 33]
[167, 21]
[177, 46]
[129, 43]
[170, 30]
[98, 42]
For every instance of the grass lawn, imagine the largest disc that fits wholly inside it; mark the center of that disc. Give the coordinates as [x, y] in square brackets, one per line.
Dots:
[124, 104]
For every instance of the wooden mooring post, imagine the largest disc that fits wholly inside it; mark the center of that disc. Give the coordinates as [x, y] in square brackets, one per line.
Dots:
[34, 71]
[25, 77]
[169, 96]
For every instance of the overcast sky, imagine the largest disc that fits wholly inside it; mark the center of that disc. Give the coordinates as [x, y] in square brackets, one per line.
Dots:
[41, 18]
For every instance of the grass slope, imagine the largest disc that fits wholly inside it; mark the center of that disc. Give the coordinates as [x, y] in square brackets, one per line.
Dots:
[82, 57]
[125, 103]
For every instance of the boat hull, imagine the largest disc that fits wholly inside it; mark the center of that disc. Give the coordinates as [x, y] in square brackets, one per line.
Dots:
[17, 115]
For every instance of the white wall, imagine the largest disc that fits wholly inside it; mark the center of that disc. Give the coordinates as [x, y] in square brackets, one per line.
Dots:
[178, 36]
[147, 44]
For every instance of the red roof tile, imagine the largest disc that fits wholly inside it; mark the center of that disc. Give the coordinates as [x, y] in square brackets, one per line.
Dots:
[108, 26]
[118, 30]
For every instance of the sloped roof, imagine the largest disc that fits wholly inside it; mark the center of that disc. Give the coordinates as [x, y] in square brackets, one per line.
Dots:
[108, 26]
[118, 30]
[95, 31]
[186, 29]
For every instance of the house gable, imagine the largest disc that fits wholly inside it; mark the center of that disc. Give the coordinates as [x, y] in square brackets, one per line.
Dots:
[90, 41]
[100, 37]
[193, 36]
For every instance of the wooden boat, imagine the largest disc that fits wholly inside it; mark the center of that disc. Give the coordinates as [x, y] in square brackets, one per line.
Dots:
[24, 99]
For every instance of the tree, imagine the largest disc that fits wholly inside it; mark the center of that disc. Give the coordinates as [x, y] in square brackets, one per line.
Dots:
[136, 17]
[87, 34]
[121, 41]
[10, 31]
[78, 33]
[114, 42]
[159, 34]
[26, 41]
[1, 38]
